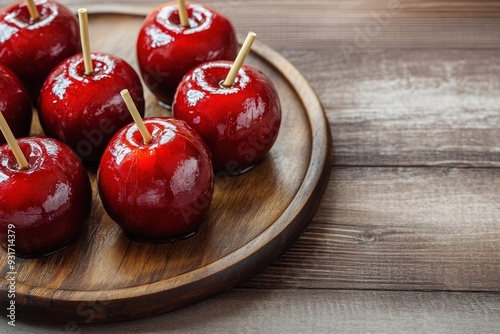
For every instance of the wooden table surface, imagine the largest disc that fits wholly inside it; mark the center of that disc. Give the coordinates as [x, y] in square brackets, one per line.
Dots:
[407, 238]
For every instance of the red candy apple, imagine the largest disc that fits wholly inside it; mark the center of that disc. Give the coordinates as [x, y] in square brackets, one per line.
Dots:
[80, 102]
[234, 107]
[46, 205]
[166, 50]
[33, 47]
[157, 191]
[239, 123]
[86, 110]
[14, 104]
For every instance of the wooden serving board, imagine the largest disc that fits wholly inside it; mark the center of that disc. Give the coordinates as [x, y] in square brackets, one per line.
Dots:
[254, 217]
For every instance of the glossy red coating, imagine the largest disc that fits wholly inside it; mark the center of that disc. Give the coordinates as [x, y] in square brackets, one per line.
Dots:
[239, 124]
[166, 50]
[48, 203]
[32, 48]
[14, 104]
[160, 191]
[85, 111]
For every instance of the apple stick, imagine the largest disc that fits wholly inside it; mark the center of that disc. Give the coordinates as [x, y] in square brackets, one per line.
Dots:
[240, 59]
[183, 13]
[34, 13]
[14, 146]
[84, 35]
[136, 116]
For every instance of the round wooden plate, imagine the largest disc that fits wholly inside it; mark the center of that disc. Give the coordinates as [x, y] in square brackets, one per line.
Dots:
[106, 277]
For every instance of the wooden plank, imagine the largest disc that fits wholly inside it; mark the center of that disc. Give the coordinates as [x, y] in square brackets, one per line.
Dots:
[311, 311]
[461, 80]
[398, 228]
[418, 107]
[318, 31]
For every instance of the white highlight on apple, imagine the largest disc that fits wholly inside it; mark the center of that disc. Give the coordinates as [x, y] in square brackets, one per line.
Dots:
[104, 66]
[199, 13]
[158, 37]
[45, 20]
[240, 82]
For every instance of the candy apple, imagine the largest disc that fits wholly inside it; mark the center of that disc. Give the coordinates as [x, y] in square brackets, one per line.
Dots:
[166, 50]
[14, 104]
[239, 123]
[86, 110]
[33, 47]
[44, 207]
[157, 191]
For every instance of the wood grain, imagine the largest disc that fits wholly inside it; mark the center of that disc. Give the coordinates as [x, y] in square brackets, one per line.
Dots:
[253, 218]
[398, 229]
[409, 108]
[313, 311]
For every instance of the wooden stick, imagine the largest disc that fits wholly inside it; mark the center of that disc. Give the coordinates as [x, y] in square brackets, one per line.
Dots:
[14, 146]
[84, 35]
[240, 59]
[183, 13]
[34, 13]
[136, 116]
